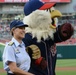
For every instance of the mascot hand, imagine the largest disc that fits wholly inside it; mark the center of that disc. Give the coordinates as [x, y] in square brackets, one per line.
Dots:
[33, 51]
[65, 31]
[41, 63]
[35, 55]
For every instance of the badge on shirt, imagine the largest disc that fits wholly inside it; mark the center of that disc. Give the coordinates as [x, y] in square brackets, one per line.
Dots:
[17, 50]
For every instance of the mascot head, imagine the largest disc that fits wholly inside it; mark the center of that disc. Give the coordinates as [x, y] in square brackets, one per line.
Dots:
[41, 19]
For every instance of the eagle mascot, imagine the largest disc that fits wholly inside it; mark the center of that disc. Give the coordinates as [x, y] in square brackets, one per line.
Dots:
[42, 34]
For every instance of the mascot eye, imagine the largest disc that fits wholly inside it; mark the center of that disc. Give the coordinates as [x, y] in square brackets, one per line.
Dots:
[52, 9]
[49, 10]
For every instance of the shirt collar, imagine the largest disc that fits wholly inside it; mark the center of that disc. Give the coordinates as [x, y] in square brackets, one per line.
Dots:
[17, 43]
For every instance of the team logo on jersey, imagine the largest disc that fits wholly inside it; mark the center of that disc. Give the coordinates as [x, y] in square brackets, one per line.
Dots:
[53, 50]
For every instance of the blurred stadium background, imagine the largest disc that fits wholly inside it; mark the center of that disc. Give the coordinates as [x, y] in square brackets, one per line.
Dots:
[66, 51]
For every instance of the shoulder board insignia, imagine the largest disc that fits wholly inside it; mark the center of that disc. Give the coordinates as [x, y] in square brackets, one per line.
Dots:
[11, 43]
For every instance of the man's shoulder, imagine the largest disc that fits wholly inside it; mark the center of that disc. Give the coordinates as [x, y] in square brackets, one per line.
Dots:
[10, 43]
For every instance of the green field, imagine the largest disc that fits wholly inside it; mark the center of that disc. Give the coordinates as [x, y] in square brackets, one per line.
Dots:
[65, 72]
[60, 63]
[66, 63]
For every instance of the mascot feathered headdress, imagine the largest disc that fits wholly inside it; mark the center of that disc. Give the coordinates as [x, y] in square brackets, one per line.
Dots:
[41, 24]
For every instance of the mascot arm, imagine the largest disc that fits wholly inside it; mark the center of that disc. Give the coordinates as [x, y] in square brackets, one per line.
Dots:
[35, 55]
[65, 31]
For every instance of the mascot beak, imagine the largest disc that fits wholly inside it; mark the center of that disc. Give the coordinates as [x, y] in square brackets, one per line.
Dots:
[54, 14]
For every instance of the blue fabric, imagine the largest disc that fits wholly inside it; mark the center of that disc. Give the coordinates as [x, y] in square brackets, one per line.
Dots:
[17, 23]
[31, 6]
[44, 47]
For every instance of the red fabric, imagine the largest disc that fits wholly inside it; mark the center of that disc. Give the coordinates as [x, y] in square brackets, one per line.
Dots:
[47, 5]
[38, 61]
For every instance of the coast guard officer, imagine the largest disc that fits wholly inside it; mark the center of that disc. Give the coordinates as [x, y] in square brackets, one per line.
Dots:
[16, 60]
